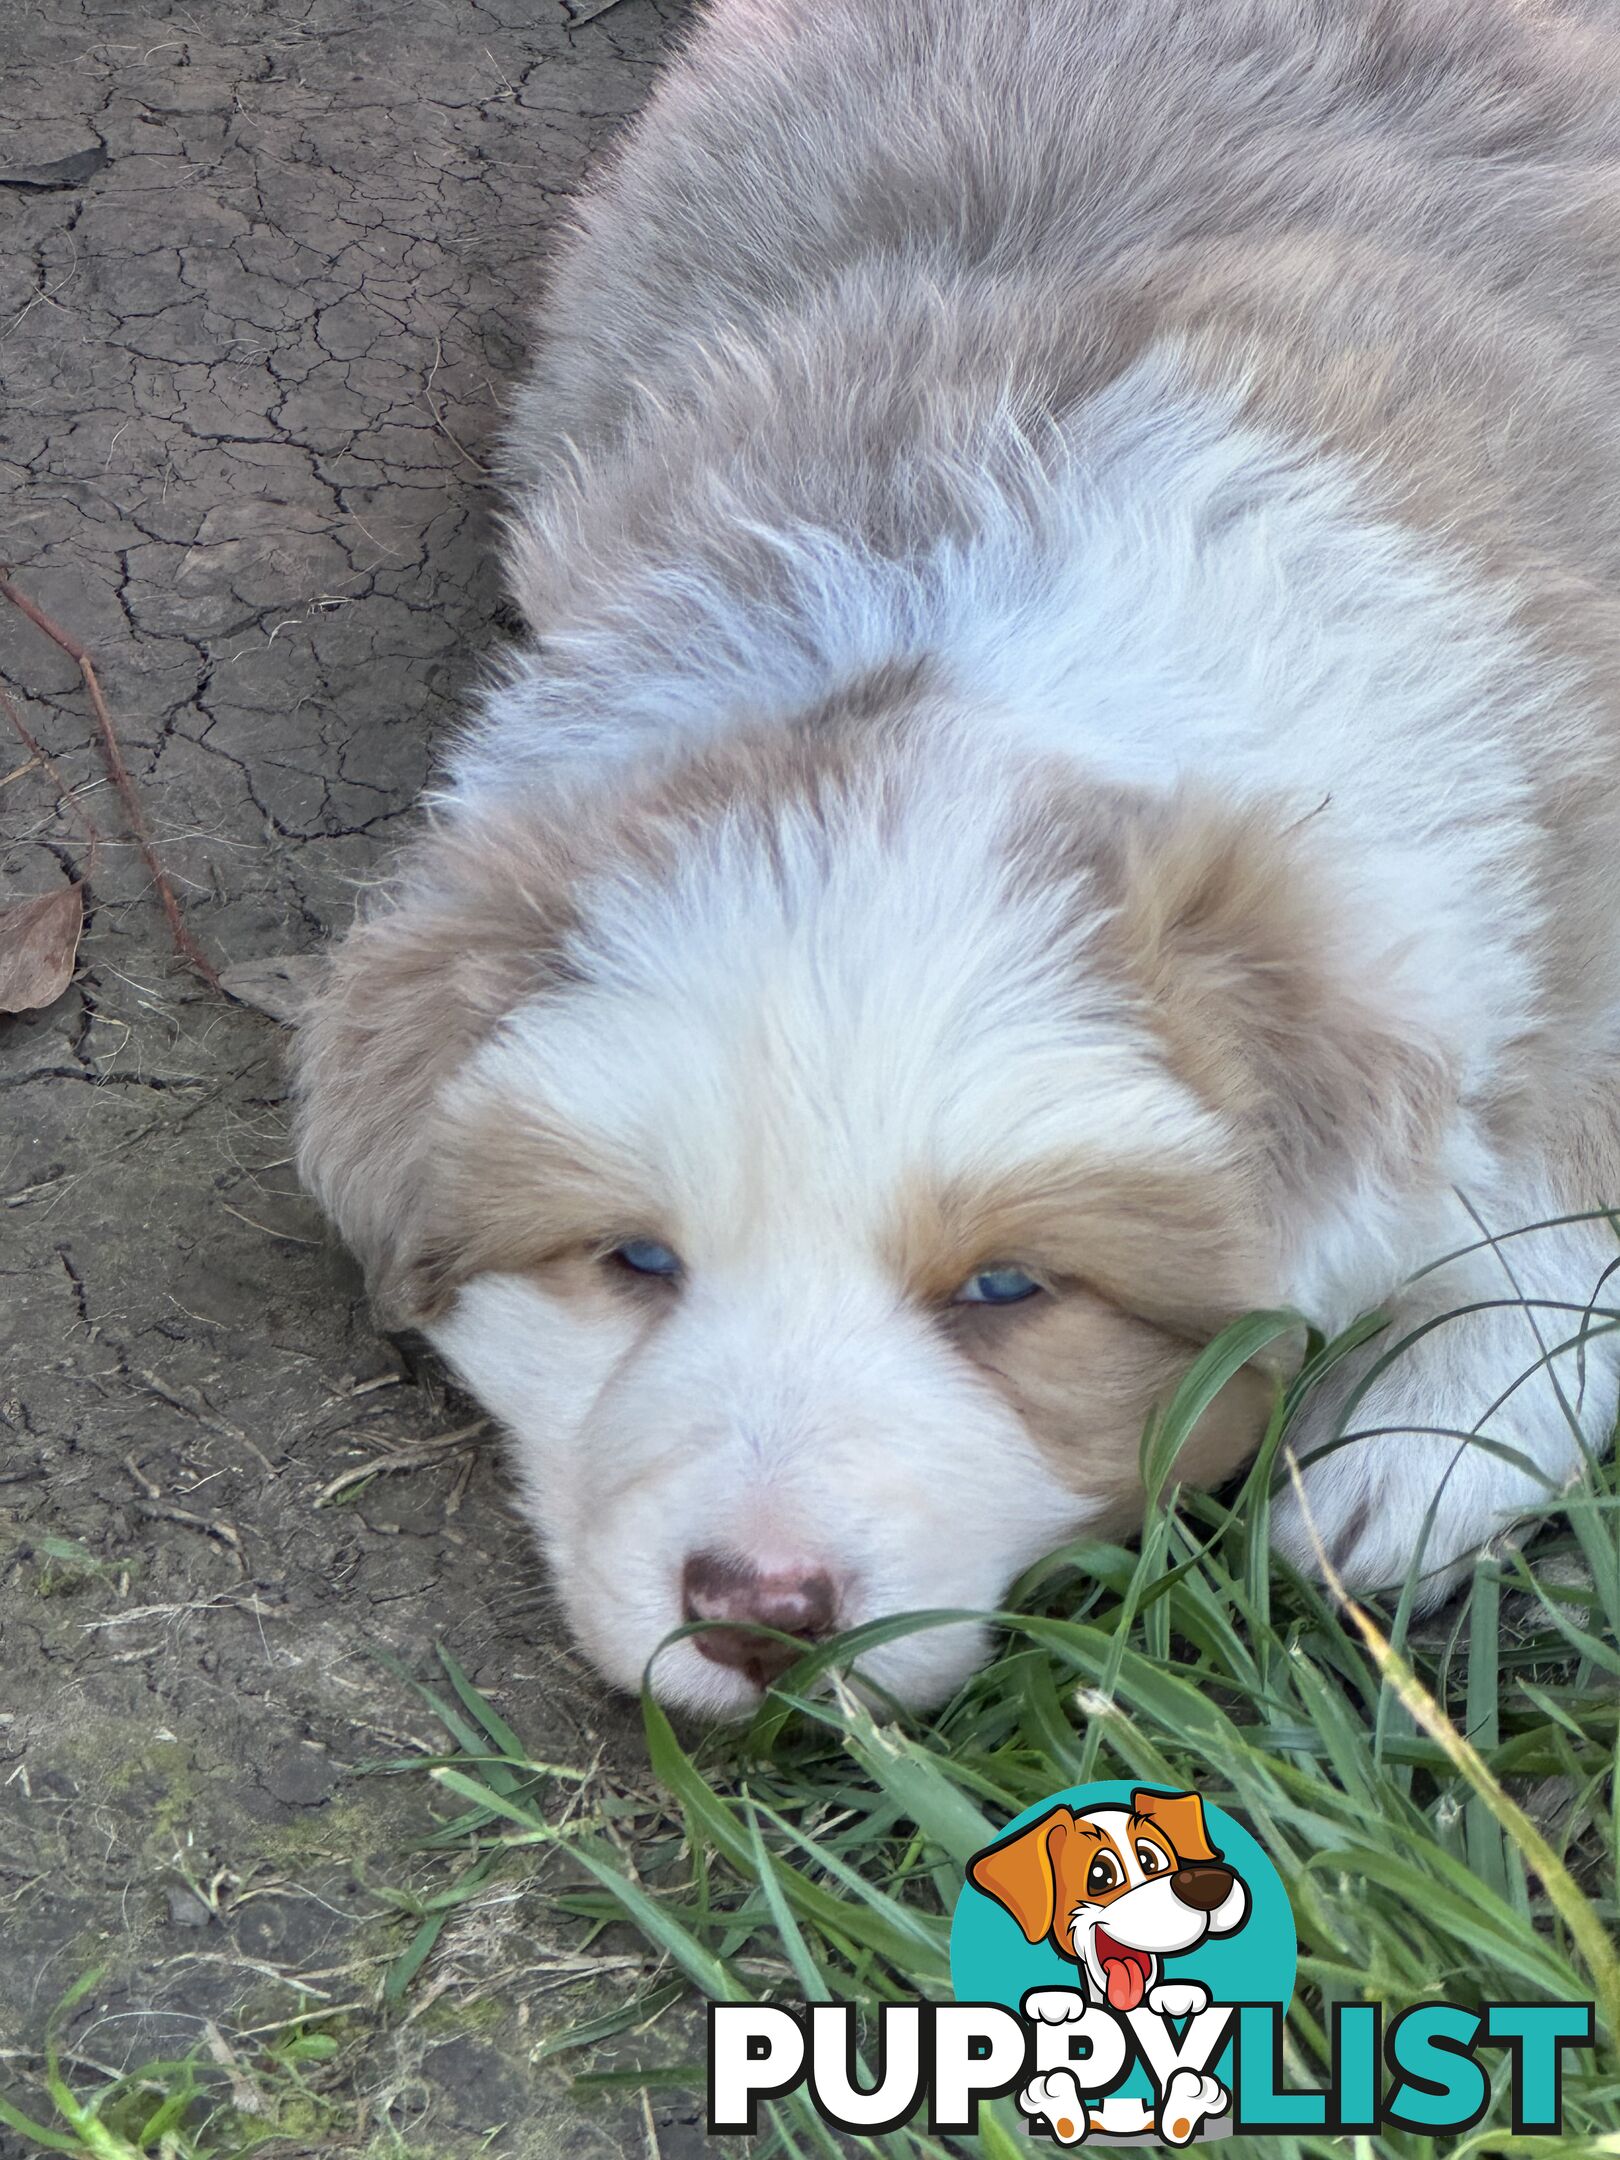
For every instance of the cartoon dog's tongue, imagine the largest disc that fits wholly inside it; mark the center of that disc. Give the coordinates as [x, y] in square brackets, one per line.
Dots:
[1125, 1972]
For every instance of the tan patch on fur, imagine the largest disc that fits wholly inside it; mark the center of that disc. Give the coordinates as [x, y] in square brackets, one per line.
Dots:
[1169, 1243]
[408, 996]
[1144, 1265]
[1083, 1375]
[514, 1196]
[1218, 935]
[596, 1289]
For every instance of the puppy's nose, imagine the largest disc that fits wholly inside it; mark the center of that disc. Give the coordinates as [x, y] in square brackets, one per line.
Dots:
[1203, 1888]
[718, 1586]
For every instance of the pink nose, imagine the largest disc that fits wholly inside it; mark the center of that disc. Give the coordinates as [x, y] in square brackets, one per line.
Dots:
[799, 1602]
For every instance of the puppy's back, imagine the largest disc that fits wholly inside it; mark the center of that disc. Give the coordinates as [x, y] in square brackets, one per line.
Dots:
[1413, 191]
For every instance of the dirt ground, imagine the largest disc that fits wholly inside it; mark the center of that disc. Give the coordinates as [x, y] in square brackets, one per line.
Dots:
[264, 276]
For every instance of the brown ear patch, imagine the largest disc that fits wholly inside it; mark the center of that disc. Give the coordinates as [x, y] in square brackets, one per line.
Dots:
[418, 984]
[1219, 920]
[1211, 919]
[1179, 1818]
[1021, 1872]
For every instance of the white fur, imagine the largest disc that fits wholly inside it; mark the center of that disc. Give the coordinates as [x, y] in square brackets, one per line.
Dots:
[801, 1422]
[1056, 2097]
[1510, 1348]
[1190, 2099]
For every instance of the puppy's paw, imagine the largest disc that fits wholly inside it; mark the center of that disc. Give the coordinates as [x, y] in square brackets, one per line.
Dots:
[1362, 1507]
[1057, 2099]
[1178, 1998]
[1189, 2101]
[1054, 2006]
[1458, 1433]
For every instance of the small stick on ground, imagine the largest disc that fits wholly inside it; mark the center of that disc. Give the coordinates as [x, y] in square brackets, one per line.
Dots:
[185, 944]
[42, 758]
[209, 1525]
[152, 1492]
[246, 2097]
[414, 1457]
[458, 1491]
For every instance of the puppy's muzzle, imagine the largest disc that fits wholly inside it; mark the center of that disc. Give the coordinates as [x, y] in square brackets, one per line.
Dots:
[1203, 1888]
[718, 1586]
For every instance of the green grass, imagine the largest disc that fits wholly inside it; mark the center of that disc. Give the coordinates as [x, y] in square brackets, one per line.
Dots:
[1441, 1801]
[202, 2106]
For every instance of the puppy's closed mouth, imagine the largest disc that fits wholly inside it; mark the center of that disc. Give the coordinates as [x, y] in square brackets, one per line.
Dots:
[1126, 1970]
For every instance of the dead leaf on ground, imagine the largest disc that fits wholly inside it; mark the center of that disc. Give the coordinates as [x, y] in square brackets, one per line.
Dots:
[39, 942]
[279, 988]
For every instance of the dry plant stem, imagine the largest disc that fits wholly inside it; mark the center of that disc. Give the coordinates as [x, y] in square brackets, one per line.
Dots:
[406, 1458]
[1578, 1916]
[185, 944]
[37, 750]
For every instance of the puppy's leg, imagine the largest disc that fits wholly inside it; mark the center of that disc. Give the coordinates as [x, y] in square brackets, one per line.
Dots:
[1510, 1366]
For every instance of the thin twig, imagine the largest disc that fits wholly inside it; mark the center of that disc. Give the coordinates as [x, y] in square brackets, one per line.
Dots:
[185, 944]
[415, 1457]
[47, 765]
[152, 1491]
[209, 1525]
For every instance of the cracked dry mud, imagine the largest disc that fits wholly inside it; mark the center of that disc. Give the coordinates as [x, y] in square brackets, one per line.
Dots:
[264, 278]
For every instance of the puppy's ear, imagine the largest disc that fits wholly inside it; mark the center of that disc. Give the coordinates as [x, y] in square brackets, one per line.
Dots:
[1268, 1006]
[423, 978]
[1021, 1872]
[1180, 1816]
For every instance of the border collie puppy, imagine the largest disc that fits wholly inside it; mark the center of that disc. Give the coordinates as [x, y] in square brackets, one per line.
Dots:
[1062, 784]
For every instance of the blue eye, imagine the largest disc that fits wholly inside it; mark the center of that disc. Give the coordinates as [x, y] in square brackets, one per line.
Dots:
[645, 1256]
[997, 1286]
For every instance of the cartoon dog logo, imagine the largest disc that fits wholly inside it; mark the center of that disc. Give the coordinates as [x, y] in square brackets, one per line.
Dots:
[1118, 1890]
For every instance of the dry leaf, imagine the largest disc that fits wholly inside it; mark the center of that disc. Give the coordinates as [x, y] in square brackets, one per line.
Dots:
[279, 988]
[39, 941]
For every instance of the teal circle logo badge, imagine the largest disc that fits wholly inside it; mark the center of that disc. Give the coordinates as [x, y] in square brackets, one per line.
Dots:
[1128, 1925]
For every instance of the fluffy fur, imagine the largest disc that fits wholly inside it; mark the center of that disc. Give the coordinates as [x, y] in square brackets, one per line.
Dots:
[1069, 718]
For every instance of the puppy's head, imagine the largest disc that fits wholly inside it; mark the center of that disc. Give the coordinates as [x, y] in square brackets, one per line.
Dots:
[1118, 1889]
[821, 1157]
